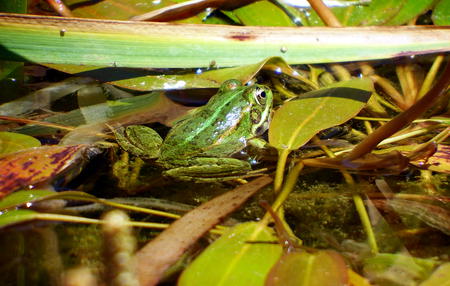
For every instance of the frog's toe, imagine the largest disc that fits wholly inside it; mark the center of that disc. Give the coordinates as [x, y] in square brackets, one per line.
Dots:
[212, 171]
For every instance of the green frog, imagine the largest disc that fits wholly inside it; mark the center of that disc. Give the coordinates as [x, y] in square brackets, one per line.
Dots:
[199, 146]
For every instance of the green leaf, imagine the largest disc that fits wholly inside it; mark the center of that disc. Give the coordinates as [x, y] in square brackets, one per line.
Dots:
[441, 15]
[262, 13]
[16, 216]
[207, 79]
[297, 121]
[22, 197]
[135, 44]
[243, 255]
[377, 12]
[410, 10]
[12, 142]
[300, 268]
[440, 277]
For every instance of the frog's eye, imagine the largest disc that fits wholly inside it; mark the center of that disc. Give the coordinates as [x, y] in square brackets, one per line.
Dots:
[260, 95]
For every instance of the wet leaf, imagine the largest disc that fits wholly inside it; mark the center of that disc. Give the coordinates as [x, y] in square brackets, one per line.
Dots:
[37, 165]
[22, 197]
[397, 269]
[440, 277]
[155, 45]
[16, 216]
[243, 255]
[122, 9]
[300, 268]
[202, 78]
[297, 121]
[159, 254]
[12, 142]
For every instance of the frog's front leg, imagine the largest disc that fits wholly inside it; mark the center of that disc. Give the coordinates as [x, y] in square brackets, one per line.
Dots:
[210, 169]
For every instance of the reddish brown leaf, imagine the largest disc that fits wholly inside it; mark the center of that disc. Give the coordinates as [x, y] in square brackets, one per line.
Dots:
[36, 165]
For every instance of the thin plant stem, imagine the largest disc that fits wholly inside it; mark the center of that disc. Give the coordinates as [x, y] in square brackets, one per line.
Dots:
[431, 75]
[281, 164]
[358, 201]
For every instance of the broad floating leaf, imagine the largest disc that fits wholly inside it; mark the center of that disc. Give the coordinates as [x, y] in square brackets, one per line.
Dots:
[243, 255]
[297, 121]
[300, 268]
[12, 142]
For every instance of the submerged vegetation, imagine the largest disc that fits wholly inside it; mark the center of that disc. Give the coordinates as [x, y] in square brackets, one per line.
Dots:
[235, 145]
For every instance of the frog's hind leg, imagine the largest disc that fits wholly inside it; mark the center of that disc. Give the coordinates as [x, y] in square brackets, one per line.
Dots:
[211, 170]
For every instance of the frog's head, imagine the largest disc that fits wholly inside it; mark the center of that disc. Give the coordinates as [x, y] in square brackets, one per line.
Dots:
[260, 98]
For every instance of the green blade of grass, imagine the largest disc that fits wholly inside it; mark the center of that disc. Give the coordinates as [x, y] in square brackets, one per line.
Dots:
[79, 41]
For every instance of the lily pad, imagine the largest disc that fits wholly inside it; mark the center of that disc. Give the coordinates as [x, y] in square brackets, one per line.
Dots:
[243, 255]
[297, 121]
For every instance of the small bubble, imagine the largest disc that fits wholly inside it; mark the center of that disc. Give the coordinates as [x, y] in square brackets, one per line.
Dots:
[283, 49]
[278, 70]
[199, 71]
[28, 205]
[13, 79]
[62, 32]
[295, 73]
[412, 56]
[297, 20]
[156, 2]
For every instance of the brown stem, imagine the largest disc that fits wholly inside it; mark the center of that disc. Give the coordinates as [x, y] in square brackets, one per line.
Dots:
[403, 119]
[60, 7]
[325, 13]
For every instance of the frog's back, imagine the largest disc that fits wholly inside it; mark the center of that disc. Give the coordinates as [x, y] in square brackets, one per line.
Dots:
[217, 129]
